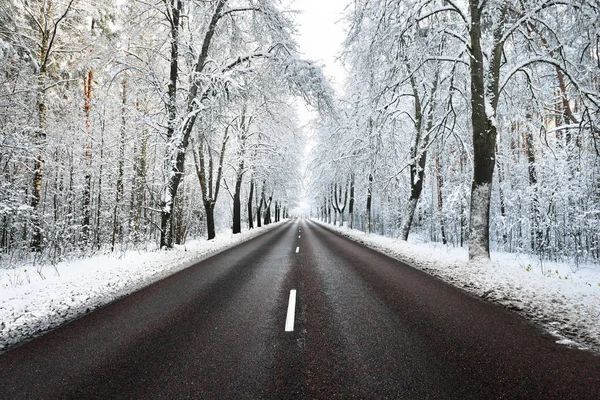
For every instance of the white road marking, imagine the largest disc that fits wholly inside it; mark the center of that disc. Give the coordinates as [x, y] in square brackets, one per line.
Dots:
[291, 311]
[297, 249]
[298, 236]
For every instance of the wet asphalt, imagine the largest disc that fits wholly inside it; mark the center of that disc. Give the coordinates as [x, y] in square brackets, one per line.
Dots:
[366, 327]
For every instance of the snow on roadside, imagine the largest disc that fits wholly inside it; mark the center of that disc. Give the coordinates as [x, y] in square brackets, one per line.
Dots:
[30, 305]
[563, 299]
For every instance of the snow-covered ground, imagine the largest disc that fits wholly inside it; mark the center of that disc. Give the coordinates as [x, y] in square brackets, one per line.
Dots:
[565, 300]
[36, 299]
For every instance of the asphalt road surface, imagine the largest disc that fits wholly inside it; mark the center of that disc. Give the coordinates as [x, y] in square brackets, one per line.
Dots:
[364, 326]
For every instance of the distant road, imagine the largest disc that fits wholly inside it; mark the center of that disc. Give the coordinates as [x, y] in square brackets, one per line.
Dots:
[299, 312]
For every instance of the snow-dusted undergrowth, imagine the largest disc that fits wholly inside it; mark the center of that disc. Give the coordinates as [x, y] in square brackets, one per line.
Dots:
[561, 298]
[30, 305]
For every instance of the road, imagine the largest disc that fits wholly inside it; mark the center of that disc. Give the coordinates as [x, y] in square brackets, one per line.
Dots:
[364, 326]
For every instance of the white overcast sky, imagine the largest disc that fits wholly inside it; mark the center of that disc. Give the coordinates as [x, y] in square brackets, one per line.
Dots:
[321, 34]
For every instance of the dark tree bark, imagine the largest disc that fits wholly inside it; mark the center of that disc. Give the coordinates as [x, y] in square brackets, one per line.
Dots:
[209, 209]
[237, 205]
[250, 196]
[440, 200]
[208, 180]
[351, 205]
[174, 13]
[338, 206]
[243, 128]
[329, 209]
[260, 205]
[268, 211]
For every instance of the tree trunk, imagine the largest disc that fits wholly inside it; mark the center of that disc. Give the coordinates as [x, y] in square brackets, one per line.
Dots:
[87, 189]
[502, 200]
[419, 156]
[417, 173]
[47, 35]
[440, 204]
[209, 208]
[176, 159]
[237, 206]
[117, 228]
[40, 137]
[268, 211]
[250, 216]
[38, 167]
[463, 219]
[259, 213]
[242, 137]
[483, 148]
[206, 178]
[369, 200]
[351, 205]
[484, 134]
[337, 196]
[166, 229]
[260, 205]
[140, 181]
[536, 231]
[179, 227]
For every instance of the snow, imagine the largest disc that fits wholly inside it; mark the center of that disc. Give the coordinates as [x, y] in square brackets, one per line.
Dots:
[36, 299]
[479, 226]
[562, 299]
[490, 112]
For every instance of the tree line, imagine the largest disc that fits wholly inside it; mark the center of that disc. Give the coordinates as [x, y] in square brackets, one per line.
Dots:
[126, 123]
[468, 122]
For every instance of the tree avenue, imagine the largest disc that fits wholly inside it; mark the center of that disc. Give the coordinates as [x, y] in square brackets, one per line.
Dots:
[473, 123]
[102, 102]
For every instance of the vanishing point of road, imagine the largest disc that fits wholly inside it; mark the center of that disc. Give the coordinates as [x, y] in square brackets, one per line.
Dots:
[299, 312]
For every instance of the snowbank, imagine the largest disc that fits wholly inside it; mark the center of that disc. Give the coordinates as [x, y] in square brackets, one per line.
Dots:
[33, 302]
[563, 299]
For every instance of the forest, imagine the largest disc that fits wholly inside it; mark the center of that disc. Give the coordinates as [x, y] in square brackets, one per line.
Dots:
[470, 123]
[127, 123]
[131, 122]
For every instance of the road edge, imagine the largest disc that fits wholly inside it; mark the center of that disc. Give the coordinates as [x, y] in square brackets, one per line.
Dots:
[535, 316]
[16, 335]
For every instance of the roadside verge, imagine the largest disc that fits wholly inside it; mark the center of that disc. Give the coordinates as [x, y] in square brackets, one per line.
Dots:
[34, 301]
[562, 299]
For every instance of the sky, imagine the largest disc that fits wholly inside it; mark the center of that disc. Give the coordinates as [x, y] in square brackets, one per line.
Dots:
[321, 34]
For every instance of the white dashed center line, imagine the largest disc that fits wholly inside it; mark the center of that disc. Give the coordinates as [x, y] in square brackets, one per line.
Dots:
[291, 311]
[297, 249]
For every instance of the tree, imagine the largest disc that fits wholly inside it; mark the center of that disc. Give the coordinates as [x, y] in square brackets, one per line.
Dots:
[210, 81]
[417, 69]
